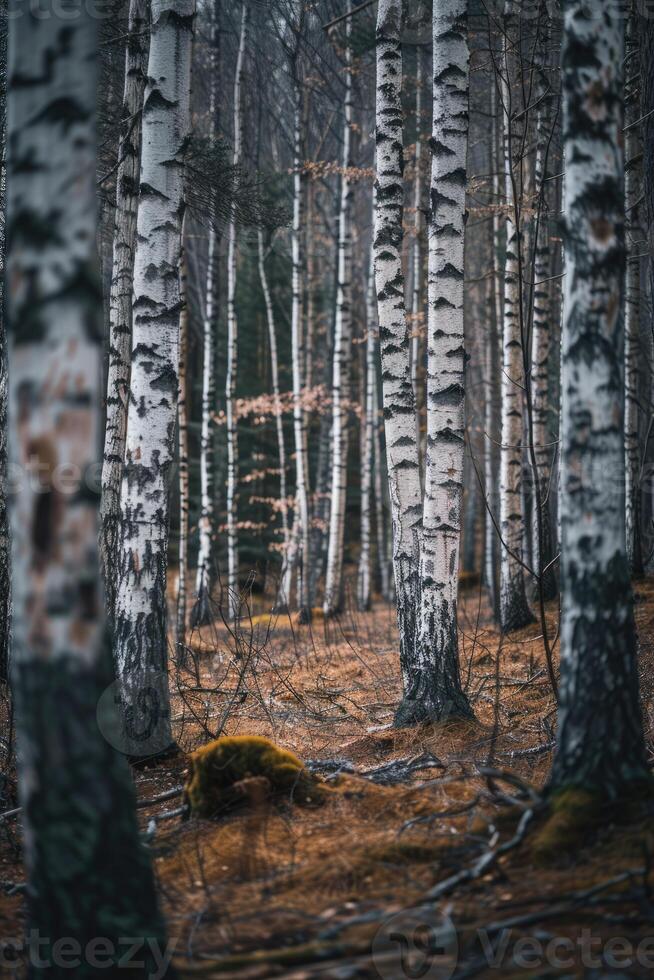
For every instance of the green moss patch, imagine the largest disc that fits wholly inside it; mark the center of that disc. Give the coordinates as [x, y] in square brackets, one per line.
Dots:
[573, 816]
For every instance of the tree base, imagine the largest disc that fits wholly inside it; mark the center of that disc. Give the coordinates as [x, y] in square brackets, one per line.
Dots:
[330, 612]
[574, 813]
[427, 703]
[515, 613]
[90, 875]
[202, 612]
[304, 616]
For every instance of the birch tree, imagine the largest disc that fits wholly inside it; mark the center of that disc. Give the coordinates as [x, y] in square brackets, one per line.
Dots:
[120, 302]
[5, 541]
[416, 251]
[600, 742]
[342, 352]
[646, 28]
[301, 545]
[514, 609]
[541, 347]
[399, 402]
[232, 338]
[632, 309]
[493, 356]
[140, 620]
[538, 396]
[182, 443]
[434, 689]
[201, 614]
[646, 37]
[368, 440]
[80, 835]
[274, 370]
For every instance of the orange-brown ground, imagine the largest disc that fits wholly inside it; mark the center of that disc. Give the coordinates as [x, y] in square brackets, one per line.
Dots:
[303, 891]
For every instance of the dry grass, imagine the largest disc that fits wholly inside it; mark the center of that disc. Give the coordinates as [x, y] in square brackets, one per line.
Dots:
[280, 890]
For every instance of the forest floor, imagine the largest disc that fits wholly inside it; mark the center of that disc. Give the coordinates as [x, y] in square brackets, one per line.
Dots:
[353, 886]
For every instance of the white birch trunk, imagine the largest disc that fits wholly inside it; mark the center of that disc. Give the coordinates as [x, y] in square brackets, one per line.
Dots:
[600, 744]
[341, 364]
[182, 426]
[498, 286]
[300, 545]
[416, 251]
[514, 610]
[232, 341]
[140, 620]
[310, 284]
[382, 532]
[492, 363]
[489, 372]
[434, 690]
[368, 440]
[120, 301]
[205, 574]
[274, 368]
[399, 403]
[541, 342]
[80, 835]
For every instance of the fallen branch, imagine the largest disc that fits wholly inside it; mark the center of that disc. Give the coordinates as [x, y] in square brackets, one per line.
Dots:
[528, 753]
[483, 865]
[167, 815]
[13, 887]
[169, 794]
[10, 814]
[400, 770]
[397, 771]
[441, 814]
[493, 776]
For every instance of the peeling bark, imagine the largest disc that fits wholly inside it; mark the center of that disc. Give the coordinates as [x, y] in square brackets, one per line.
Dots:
[399, 402]
[434, 691]
[632, 353]
[514, 609]
[140, 618]
[120, 301]
[417, 317]
[182, 441]
[368, 441]
[600, 738]
[80, 834]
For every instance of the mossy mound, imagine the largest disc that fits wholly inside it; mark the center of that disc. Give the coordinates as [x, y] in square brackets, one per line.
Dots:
[572, 817]
[575, 815]
[221, 770]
